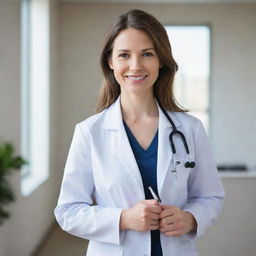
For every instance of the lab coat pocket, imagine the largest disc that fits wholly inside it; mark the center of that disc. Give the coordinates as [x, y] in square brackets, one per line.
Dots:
[188, 249]
[103, 249]
[181, 175]
[175, 187]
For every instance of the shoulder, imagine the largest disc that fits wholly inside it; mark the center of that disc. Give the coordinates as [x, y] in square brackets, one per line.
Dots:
[109, 118]
[93, 122]
[187, 119]
[188, 122]
[193, 129]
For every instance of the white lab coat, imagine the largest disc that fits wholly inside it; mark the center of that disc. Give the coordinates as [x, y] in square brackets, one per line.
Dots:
[101, 167]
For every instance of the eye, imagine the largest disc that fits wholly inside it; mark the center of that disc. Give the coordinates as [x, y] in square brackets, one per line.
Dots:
[123, 55]
[148, 54]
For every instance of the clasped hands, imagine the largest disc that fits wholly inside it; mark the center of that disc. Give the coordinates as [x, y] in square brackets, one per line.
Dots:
[150, 215]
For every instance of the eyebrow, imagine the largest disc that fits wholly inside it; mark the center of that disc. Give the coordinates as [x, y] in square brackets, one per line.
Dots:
[144, 50]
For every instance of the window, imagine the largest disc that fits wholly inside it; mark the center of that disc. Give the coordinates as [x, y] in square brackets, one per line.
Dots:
[191, 50]
[35, 93]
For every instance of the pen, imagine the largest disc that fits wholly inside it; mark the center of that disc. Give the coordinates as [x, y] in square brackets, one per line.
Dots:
[154, 194]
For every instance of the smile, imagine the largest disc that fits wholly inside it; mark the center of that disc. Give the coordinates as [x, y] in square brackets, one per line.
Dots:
[136, 78]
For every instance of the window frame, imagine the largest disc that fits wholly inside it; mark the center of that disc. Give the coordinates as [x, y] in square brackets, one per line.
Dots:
[208, 110]
[34, 116]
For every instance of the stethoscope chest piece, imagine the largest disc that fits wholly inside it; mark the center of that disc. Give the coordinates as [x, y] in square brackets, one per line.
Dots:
[190, 164]
[177, 165]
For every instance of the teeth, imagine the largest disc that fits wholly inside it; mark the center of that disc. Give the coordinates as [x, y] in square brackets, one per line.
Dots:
[136, 77]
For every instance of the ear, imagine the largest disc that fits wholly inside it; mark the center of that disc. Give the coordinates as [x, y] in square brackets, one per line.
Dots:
[110, 63]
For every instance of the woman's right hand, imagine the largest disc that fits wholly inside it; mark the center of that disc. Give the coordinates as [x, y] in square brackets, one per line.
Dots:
[143, 216]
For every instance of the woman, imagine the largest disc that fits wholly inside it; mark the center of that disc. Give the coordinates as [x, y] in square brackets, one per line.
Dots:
[118, 153]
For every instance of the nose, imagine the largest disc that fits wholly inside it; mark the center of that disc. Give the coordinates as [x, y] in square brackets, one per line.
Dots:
[135, 64]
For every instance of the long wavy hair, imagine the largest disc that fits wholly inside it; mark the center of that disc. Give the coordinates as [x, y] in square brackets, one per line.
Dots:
[163, 87]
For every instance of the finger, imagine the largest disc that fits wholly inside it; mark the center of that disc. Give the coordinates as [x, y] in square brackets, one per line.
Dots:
[154, 222]
[173, 233]
[166, 221]
[164, 229]
[166, 213]
[177, 227]
[150, 202]
[156, 209]
[169, 211]
[169, 219]
[168, 206]
[153, 227]
[153, 216]
[148, 216]
[167, 228]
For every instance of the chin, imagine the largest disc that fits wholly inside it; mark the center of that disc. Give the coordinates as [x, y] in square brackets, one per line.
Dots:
[141, 90]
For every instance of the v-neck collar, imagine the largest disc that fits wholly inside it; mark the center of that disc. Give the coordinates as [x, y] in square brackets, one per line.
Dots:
[137, 144]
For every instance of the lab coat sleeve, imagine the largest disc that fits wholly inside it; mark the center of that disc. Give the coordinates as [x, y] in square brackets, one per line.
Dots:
[75, 211]
[205, 190]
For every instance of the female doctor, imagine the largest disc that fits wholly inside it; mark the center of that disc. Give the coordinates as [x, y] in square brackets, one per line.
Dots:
[131, 145]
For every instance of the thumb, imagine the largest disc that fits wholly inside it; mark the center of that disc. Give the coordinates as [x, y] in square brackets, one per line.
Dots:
[151, 202]
[164, 207]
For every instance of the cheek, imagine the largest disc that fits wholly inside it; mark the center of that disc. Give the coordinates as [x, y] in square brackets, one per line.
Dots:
[117, 73]
[155, 72]
[118, 76]
[152, 67]
[119, 70]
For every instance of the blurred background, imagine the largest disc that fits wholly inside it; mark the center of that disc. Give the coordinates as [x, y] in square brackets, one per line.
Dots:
[49, 81]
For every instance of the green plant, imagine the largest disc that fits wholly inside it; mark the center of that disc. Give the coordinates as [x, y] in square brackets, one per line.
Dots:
[8, 163]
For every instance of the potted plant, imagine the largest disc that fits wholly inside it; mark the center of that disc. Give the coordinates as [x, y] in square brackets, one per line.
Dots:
[8, 163]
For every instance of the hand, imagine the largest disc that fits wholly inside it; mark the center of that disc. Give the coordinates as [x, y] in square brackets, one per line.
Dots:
[176, 222]
[143, 216]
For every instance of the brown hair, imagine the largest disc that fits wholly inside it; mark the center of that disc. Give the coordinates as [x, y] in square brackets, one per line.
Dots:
[163, 87]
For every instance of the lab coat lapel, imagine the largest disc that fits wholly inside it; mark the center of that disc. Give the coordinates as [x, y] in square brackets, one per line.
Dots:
[114, 122]
[164, 155]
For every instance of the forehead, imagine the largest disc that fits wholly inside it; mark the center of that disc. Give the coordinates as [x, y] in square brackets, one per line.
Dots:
[131, 38]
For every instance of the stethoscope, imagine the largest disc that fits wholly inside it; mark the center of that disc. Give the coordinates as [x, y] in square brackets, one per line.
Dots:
[187, 164]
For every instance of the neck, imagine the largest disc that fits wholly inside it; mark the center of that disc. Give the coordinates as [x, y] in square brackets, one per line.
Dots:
[136, 107]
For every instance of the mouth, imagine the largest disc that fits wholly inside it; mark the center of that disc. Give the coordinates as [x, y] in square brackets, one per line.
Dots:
[137, 78]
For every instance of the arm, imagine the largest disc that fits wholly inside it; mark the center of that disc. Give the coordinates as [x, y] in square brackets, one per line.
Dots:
[205, 190]
[75, 211]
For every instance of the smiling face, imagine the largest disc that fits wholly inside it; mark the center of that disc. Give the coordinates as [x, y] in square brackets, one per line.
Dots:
[134, 62]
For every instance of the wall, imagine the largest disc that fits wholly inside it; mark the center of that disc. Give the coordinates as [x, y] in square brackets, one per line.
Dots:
[82, 28]
[31, 216]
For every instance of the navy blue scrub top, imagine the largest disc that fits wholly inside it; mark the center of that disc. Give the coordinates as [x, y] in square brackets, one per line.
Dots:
[147, 163]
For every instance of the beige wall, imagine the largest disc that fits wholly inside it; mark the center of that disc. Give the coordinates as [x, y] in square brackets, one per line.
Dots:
[31, 216]
[82, 28]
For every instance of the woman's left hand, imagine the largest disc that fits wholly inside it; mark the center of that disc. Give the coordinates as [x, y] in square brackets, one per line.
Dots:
[176, 222]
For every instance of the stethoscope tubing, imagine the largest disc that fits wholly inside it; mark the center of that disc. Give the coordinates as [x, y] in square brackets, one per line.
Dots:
[188, 164]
